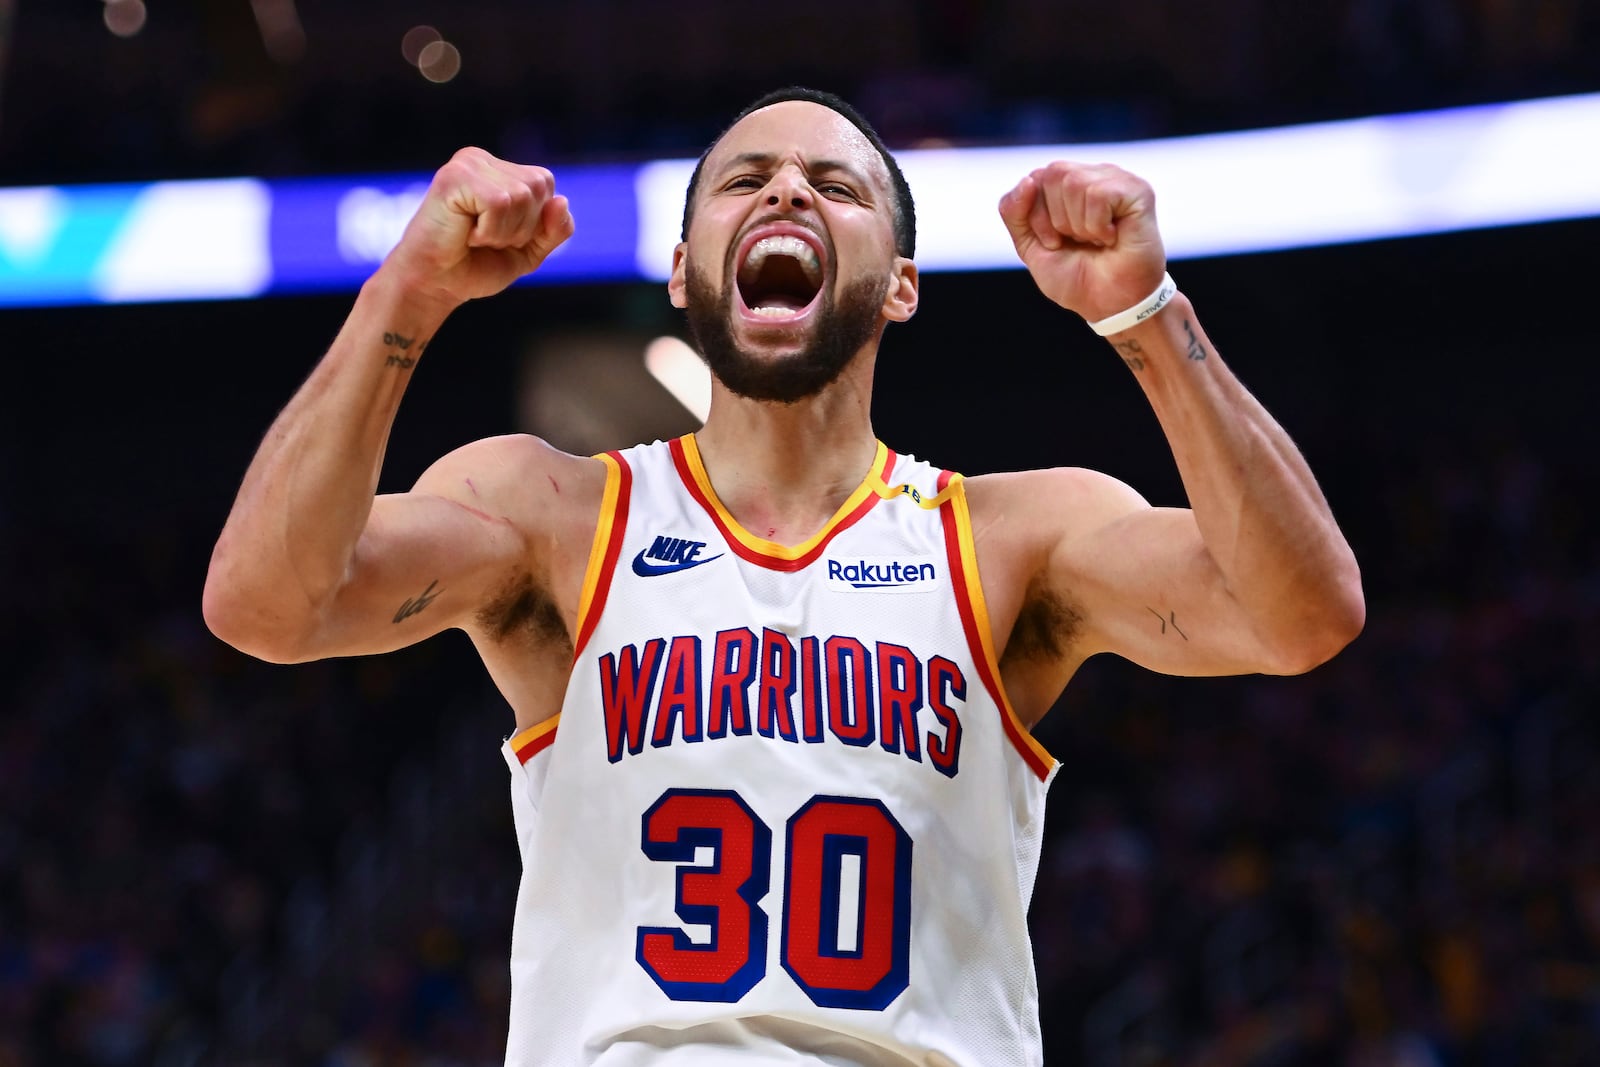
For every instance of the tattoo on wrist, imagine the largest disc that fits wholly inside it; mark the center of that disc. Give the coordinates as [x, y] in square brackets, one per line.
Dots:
[1197, 351]
[1132, 353]
[1171, 619]
[416, 604]
[400, 354]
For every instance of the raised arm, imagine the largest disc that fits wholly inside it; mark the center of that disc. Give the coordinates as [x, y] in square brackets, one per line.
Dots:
[310, 562]
[1255, 576]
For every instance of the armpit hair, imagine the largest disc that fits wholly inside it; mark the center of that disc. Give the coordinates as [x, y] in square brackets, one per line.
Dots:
[524, 610]
[1045, 627]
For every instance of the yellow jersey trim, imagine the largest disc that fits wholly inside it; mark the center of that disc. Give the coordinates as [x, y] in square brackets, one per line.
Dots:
[525, 739]
[602, 538]
[697, 470]
[906, 489]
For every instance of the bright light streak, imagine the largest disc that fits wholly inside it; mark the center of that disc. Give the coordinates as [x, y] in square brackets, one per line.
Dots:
[30, 220]
[684, 374]
[1253, 191]
[1508, 164]
[281, 32]
[190, 241]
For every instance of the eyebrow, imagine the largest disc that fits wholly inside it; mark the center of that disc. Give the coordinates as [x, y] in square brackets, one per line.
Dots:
[813, 167]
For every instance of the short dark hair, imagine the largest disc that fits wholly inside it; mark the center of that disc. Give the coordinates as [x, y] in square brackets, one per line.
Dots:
[904, 211]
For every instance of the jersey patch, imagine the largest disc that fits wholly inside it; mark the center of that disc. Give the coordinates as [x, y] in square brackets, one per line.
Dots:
[668, 555]
[883, 574]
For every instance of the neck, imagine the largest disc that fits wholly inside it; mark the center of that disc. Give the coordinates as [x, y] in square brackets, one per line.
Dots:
[782, 470]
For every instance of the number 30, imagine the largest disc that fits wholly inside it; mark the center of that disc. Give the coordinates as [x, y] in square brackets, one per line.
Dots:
[846, 899]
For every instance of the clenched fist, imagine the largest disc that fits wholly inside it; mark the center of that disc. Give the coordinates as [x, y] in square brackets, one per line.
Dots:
[1087, 233]
[483, 224]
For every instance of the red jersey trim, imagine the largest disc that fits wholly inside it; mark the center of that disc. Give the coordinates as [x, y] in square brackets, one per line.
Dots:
[526, 744]
[975, 621]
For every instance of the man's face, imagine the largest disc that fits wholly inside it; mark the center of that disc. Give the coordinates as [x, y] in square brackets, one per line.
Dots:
[790, 257]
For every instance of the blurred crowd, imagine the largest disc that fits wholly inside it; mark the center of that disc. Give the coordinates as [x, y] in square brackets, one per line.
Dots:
[216, 87]
[1391, 862]
[165, 800]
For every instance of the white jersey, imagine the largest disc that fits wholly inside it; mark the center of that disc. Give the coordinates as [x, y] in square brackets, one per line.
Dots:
[786, 814]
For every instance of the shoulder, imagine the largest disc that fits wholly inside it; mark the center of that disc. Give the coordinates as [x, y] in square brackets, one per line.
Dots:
[518, 477]
[1037, 510]
[1032, 531]
[508, 462]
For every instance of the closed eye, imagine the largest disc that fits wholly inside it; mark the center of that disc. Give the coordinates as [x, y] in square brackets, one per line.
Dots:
[834, 190]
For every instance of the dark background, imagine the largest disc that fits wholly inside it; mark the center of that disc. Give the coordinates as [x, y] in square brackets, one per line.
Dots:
[1393, 860]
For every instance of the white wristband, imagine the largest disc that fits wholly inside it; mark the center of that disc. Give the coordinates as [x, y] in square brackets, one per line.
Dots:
[1125, 320]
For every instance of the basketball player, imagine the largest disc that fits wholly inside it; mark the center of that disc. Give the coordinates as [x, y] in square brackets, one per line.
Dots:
[772, 772]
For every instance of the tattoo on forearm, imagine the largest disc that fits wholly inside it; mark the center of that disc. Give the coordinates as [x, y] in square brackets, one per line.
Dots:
[1172, 619]
[1132, 353]
[401, 355]
[1197, 350]
[411, 607]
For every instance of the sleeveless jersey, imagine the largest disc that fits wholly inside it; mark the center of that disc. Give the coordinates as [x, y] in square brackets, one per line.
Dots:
[786, 814]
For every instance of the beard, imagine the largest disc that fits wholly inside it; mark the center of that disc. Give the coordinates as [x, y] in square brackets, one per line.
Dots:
[841, 329]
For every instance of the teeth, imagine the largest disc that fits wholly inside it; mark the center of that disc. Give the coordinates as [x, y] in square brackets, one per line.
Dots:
[784, 245]
[774, 312]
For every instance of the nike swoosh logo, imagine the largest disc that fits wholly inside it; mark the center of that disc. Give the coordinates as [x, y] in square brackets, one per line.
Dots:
[646, 569]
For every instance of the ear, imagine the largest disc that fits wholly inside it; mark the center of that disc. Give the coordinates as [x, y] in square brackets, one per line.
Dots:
[900, 303]
[677, 283]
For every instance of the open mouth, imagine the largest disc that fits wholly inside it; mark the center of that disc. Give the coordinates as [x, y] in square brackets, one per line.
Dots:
[780, 277]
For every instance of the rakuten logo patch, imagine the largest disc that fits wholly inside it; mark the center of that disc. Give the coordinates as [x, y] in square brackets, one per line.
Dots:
[888, 574]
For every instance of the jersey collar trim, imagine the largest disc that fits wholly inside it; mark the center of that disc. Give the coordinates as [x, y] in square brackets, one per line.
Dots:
[758, 550]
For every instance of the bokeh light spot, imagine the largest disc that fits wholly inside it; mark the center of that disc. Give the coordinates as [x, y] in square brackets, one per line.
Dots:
[125, 17]
[439, 61]
[416, 39]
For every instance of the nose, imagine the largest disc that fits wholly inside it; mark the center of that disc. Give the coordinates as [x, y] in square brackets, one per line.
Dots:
[789, 189]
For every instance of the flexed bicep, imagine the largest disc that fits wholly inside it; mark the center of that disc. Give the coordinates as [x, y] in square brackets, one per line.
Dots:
[487, 517]
[425, 563]
[1152, 593]
[1076, 563]
[486, 530]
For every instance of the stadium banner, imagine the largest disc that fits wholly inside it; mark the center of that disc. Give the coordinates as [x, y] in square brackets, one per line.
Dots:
[1217, 194]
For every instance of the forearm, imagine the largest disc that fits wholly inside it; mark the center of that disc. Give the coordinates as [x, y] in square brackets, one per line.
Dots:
[1263, 519]
[306, 495]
